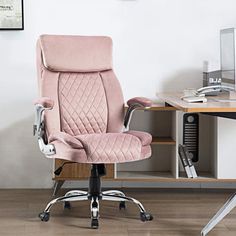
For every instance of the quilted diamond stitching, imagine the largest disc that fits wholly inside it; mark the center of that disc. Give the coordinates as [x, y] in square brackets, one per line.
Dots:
[82, 103]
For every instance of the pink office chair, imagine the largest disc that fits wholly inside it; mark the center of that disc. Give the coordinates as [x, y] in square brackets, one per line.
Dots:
[80, 115]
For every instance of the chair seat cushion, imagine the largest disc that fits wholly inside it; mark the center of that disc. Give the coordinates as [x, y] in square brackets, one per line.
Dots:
[105, 147]
[144, 137]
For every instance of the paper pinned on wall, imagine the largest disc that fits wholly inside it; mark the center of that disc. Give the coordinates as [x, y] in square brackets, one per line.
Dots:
[11, 15]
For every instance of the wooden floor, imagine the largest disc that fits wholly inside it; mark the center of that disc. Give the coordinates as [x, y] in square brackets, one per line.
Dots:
[176, 213]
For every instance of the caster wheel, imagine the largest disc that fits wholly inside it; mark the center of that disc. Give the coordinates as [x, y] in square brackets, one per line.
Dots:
[122, 205]
[94, 224]
[44, 216]
[67, 205]
[144, 216]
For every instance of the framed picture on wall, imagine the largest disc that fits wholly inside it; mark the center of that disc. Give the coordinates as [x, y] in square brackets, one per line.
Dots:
[11, 15]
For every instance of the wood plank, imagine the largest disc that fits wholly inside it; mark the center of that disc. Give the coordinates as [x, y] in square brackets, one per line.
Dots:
[163, 141]
[212, 105]
[142, 175]
[79, 170]
[157, 176]
[160, 176]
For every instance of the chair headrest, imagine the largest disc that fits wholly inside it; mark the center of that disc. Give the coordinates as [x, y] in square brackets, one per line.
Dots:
[76, 53]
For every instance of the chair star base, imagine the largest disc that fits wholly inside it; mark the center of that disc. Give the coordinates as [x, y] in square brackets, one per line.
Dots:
[95, 194]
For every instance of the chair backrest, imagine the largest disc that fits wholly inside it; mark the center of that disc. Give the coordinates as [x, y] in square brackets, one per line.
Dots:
[76, 72]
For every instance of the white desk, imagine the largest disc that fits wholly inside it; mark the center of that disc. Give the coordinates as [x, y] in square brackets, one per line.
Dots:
[225, 129]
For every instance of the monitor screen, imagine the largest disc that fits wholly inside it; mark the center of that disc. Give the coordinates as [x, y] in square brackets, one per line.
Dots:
[227, 46]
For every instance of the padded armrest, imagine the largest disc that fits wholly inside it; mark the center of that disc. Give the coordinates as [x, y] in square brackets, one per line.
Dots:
[142, 101]
[46, 102]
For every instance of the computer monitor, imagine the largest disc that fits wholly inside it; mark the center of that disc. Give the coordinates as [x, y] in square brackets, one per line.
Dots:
[227, 54]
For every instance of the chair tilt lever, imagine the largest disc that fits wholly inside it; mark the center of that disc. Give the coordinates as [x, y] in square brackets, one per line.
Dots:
[60, 168]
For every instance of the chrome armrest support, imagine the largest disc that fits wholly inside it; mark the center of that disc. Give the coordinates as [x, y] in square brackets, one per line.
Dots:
[133, 104]
[39, 131]
[129, 114]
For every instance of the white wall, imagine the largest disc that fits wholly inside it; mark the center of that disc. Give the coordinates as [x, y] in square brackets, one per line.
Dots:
[159, 45]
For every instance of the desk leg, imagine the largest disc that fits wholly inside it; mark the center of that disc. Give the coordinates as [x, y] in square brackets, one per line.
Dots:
[58, 184]
[225, 210]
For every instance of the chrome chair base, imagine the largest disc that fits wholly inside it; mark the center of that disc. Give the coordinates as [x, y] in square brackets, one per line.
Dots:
[111, 195]
[225, 209]
[95, 194]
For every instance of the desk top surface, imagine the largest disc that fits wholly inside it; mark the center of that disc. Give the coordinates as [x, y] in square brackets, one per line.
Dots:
[220, 103]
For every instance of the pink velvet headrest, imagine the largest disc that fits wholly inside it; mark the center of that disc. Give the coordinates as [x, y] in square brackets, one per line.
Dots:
[76, 53]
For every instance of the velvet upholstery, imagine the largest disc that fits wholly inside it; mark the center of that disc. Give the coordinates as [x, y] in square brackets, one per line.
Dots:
[145, 138]
[77, 81]
[83, 105]
[105, 148]
[115, 101]
[144, 102]
[82, 54]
